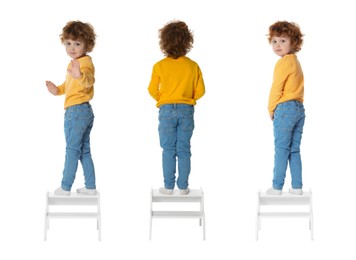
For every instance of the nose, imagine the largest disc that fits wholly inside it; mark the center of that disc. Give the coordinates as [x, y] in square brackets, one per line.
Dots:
[70, 47]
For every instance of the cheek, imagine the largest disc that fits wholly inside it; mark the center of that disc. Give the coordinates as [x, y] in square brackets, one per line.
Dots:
[81, 50]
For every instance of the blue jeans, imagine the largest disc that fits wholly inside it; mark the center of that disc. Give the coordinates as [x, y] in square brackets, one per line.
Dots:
[288, 125]
[78, 122]
[176, 125]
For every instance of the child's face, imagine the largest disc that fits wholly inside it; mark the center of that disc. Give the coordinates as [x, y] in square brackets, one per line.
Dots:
[281, 45]
[75, 49]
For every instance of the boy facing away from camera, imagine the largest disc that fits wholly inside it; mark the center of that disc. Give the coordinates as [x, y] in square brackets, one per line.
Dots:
[285, 106]
[78, 88]
[176, 84]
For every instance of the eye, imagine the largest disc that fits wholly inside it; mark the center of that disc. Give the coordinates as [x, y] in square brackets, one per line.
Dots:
[273, 41]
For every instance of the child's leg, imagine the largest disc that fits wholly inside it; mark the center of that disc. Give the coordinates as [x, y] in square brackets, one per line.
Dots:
[86, 159]
[286, 118]
[282, 141]
[168, 138]
[295, 162]
[184, 134]
[75, 124]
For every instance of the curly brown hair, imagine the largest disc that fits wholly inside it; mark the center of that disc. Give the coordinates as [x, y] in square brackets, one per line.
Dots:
[176, 39]
[77, 30]
[291, 30]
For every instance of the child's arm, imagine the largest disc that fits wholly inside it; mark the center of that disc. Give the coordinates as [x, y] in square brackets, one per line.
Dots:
[84, 74]
[153, 88]
[281, 74]
[200, 89]
[271, 115]
[52, 88]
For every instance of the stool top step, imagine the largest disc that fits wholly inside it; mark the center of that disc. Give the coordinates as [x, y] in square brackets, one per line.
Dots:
[286, 194]
[192, 193]
[285, 198]
[73, 195]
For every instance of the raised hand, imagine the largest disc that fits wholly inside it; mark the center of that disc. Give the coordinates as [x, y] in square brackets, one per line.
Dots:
[52, 88]
[74, 69]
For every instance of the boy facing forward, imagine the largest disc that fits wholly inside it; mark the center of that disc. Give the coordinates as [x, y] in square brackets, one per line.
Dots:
[78, 39]
[176, 84]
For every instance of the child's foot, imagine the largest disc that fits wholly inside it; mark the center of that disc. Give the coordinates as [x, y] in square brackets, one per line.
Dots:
[60, 192]
[296, 191]
[166, 191]
[86, 191]
[184, 192]
[272, 191]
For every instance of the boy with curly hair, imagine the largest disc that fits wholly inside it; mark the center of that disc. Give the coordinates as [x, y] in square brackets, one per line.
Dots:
[176, 84]
[285, 105]
[78, 88]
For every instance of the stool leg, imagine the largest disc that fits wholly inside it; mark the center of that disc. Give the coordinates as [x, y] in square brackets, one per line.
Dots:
[311, 216]
[202, 211]
[150, 226]
[258, 219]
[99, 228]
[45, 227]
[311, 227]
[151, 213]
[203, 220]
[46, 220]
[258, 226]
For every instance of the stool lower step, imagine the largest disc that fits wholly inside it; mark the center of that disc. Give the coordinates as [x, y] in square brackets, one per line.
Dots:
[72, 215]
[285, 214]
[177, 214]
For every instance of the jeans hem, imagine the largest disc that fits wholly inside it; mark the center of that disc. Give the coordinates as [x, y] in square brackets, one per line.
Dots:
[66, 188]
[277, 188]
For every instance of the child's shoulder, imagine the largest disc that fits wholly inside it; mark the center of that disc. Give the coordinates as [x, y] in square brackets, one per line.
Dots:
[189, 60]
[287, 59]
[180, 62]
[290, 57]
[86, 61]
[85, 58]
[179, 59]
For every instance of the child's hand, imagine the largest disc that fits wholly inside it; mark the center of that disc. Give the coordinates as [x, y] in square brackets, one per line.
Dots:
[51, 88]
[74, 70]
[271, 115]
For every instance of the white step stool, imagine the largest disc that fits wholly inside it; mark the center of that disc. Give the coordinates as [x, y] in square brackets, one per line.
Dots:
[286, 199]
[75, 199]
[194, 195]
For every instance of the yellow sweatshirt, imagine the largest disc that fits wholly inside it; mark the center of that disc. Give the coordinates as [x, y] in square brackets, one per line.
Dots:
[176, 81]
[78, 91]
[288, 82]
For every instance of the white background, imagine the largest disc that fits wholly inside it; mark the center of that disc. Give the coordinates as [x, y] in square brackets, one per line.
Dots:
[232, 145]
